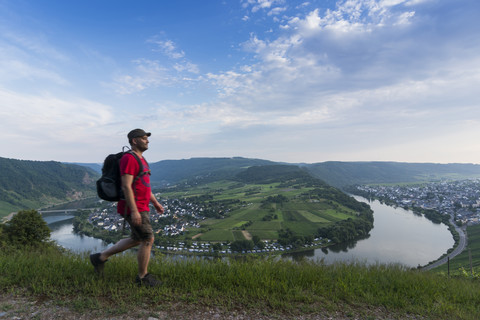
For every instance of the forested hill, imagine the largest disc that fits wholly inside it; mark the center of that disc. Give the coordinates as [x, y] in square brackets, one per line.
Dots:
[31, 184]
[341, 174]
[200, 169]
[276, 173]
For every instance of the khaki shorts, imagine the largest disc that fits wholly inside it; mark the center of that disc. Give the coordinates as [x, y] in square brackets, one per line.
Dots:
[143, 231]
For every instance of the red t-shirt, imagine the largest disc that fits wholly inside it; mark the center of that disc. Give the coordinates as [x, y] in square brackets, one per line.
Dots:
[141, 187]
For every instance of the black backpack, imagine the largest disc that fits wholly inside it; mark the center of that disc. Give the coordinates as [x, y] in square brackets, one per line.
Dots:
[109, 186]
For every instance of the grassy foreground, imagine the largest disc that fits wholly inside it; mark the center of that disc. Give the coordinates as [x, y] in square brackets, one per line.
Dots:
[268, 285]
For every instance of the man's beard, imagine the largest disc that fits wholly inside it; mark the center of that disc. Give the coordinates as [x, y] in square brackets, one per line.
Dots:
[142, 148]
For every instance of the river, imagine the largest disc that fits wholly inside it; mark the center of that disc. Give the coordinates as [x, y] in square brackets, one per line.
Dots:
[62, 233]
[398, 236]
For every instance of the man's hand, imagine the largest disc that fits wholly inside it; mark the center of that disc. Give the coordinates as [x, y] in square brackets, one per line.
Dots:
[158, 207]
[136, 218]
[156, 204]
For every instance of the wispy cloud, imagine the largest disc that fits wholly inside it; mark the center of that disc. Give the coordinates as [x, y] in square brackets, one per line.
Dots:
[148, 74]
[257, 5]
[32, 123]
[29, 58]
[167, 47]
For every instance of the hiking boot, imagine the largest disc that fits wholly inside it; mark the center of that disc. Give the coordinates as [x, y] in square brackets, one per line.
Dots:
[98, 264]
[148, 281]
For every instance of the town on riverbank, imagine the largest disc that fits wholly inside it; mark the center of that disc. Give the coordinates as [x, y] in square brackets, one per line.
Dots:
[181, 215]
[457, 199]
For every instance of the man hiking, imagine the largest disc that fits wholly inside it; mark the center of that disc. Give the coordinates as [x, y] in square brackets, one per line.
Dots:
[135, 209]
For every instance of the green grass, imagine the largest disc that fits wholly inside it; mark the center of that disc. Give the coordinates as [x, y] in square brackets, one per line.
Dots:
[266, 225]
[264, 234]
[274, 286]
[5, 209]
[312, 217]
[238, 235]
[218, 234]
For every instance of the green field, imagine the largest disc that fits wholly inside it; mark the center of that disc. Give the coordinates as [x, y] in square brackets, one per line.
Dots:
[298, 213]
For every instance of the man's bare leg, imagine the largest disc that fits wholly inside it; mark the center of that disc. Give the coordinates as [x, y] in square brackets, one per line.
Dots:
[120, 246]
[143, 257]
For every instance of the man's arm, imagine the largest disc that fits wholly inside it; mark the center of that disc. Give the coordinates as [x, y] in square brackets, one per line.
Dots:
[156, 204]
[127, 181]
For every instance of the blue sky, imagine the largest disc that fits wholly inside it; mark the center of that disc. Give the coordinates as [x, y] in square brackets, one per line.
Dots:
[293, 81]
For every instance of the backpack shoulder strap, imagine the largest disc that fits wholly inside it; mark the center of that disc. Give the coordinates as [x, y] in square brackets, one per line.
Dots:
[140, 164]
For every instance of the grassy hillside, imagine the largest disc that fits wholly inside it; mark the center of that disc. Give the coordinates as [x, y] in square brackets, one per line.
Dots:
[226, 289]
[32, 184]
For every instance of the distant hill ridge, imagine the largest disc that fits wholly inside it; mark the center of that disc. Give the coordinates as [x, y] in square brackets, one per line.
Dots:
[335, 173]
[32, 184]
[342, 174]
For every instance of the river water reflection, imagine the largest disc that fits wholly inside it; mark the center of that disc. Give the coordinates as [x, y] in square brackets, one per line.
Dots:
[398, 236]
[62, 233]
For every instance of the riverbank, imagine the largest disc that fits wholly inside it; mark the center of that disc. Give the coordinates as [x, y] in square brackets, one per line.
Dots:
[458, 233]
[460, 237]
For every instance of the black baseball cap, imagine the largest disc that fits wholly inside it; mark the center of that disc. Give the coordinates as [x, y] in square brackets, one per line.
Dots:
[135, 133]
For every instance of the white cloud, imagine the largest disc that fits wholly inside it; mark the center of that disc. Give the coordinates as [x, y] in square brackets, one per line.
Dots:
[32, 44]
[277, 11]
[417, 2]
[186, 66]
[148, 74]
[12, 69]
[45, 127]
[30, 59]
[405, 18]
[167, 47]
[258, 5]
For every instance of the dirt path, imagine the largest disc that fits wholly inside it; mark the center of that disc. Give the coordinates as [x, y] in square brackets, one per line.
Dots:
[7, 218]
[247, 235]
[31, 307]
